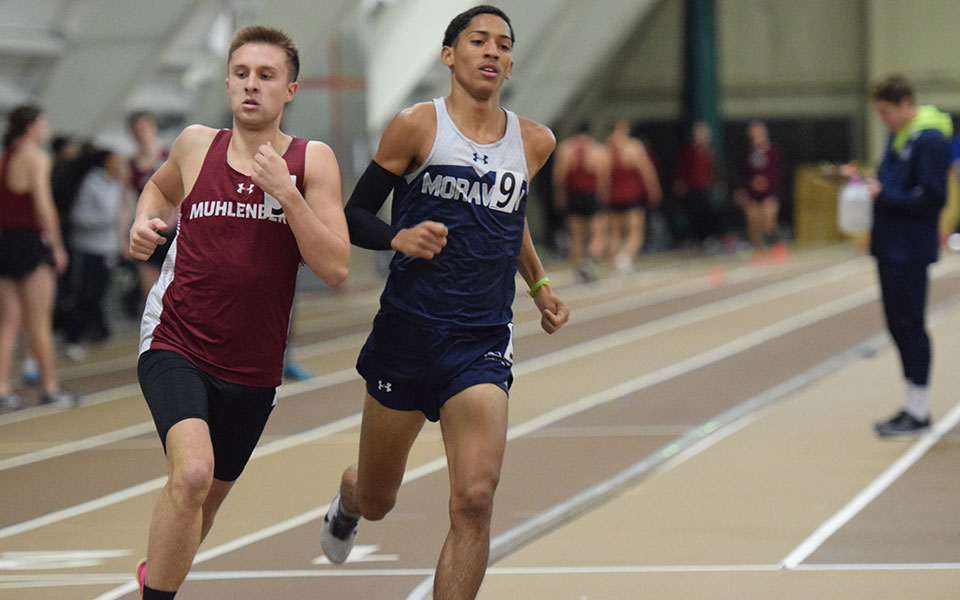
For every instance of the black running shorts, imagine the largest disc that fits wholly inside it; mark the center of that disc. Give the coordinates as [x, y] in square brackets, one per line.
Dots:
[22, 251]
[176, 389]
[160, 252]
[582, 205]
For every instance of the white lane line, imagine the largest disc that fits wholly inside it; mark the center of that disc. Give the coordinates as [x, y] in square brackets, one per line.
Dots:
[695, 315]
[76, 446]
[689, 316]
[629, 301]
[439, 463]
[872, 491]
[798, 321]
[677, 452]
[29, 581]
[717, 353]
[287, 390]
[109, 395]
[158, 482]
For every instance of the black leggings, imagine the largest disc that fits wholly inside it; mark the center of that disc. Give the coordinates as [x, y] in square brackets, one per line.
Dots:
[903, 288]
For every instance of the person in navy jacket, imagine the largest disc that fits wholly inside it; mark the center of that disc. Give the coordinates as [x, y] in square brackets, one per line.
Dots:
[909, 192]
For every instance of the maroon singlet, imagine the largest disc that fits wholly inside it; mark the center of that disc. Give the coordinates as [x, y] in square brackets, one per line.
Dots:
[226, 288]
[626, 184]
[16, 210]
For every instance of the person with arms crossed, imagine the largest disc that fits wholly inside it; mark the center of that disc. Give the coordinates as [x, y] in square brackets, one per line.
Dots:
[909, 192]
[254, 202]
[441, 347]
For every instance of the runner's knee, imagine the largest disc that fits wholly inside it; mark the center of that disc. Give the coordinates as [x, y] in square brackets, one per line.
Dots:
[474, 502]
[191, 480]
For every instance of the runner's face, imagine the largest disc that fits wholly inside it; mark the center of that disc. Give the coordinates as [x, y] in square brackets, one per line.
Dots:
[39, 130]
[894, 115]
[258, 83]
[144, 130]
[481, 58]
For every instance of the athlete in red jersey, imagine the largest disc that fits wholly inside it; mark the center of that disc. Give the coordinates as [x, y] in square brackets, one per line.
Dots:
[633, 179]
[759, 191]
[31, 250]
[253, 202]
[581, 181]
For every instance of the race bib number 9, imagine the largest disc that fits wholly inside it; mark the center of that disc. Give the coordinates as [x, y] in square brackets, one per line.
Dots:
[272, 205]
[509, 188]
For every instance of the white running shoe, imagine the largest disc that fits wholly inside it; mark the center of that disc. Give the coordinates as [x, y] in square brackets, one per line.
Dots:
[11, 402]
[623, 263]
[338, 533]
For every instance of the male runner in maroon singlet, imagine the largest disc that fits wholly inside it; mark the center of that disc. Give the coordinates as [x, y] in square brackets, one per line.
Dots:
[253, 202]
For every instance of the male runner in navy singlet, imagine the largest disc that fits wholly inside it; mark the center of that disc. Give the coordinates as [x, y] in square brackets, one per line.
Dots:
[253, 202]
[441, 346]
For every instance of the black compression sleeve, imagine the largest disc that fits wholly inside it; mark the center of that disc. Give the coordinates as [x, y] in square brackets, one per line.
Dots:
[367, 230]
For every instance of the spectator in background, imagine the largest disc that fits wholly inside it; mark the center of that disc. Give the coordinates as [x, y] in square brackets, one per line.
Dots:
[150, 155]
[581, 181]
[31, 253]
[633, 183]
[693, 179]
[909, 192]
[63, 179]
[63, 183]
[100, 217]
[759, 191]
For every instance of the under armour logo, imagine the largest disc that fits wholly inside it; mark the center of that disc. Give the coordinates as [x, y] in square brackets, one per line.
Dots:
[477, 158]
[243, 188]
[384, 386]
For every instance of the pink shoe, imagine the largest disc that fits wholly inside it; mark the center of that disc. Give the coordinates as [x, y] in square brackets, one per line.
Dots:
[779, 252]
[141, 574]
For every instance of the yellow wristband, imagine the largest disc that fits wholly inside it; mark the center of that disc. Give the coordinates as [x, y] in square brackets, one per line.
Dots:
[536, 287]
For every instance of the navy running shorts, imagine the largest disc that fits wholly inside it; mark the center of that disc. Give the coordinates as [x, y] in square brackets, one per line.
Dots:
[410, 365]
[175, 389]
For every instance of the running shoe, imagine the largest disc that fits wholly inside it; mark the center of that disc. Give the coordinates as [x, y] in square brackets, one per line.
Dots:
[779, 252]
[901, 424]
[296, 372]
[60, 399]
[10, 402]
[623, 263]
[141, 574]
[338, 533]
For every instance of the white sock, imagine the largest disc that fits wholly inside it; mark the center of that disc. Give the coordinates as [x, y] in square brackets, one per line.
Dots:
[918, 401]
